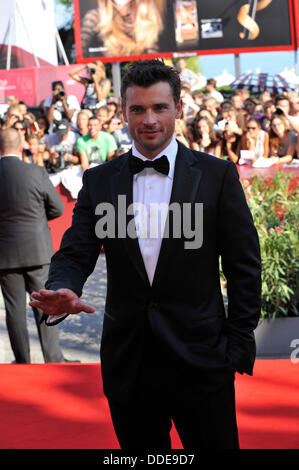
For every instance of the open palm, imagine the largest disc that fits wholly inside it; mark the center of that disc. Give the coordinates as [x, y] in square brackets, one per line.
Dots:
[60, 301]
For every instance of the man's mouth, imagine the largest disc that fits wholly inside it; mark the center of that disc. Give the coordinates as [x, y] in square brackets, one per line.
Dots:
[150, 132]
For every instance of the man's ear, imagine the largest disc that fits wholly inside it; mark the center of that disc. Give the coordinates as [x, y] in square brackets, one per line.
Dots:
[179, 109]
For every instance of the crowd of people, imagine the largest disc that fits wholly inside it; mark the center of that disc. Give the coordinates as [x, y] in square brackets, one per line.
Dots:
[64, 132]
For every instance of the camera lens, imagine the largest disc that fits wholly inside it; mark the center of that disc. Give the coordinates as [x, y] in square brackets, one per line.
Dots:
[61, 94]
[92, 71]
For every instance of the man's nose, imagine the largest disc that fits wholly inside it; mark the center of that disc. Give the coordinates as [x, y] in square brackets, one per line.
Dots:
[149, 117]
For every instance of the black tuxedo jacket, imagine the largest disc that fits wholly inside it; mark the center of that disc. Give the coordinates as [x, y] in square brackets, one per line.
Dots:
[27, 201]
[183, 308]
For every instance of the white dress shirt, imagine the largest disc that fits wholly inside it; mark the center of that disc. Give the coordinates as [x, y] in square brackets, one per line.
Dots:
[151, 189]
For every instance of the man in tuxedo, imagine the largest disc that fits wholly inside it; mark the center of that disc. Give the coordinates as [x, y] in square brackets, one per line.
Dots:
[27, 201]
[169, 351]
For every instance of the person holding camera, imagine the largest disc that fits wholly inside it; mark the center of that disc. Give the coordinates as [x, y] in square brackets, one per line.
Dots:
[61, 145]
[60, 106]
[283, 108]
[97, 86]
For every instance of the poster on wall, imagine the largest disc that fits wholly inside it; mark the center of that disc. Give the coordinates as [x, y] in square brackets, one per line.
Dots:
[122, 30]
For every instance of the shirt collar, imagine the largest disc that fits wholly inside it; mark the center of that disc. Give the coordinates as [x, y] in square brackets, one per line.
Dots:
[170, 151]
[9, 155]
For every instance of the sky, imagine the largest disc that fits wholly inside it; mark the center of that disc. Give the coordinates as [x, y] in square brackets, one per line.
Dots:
[214, 65]
[266, 62]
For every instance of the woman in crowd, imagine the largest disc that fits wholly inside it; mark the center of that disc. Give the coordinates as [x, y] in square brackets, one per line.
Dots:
[122, 27]
[114, 123]
[283, 141]
[113, 107]
[255, 139]
[181, 132]
[269, 110]
[22, 129]
[97, 86]
[33, 153]
[230, 142]
[229, 116]
[250, 106]
[204, 137]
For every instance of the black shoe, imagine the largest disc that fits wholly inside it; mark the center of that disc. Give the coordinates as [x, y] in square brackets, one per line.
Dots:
[70, 360]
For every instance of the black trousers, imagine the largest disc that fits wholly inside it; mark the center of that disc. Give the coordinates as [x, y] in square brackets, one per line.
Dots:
[204, 418]
[166, 392]
[14, 285]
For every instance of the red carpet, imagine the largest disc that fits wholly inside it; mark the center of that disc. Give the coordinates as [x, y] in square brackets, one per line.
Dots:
[62, 406]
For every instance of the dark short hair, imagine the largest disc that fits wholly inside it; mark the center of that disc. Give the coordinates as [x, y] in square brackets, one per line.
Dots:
[212, 81]
[149, 72]
[281, 97]
[57, 82]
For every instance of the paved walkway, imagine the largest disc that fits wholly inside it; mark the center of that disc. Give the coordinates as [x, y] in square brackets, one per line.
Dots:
[80, 335]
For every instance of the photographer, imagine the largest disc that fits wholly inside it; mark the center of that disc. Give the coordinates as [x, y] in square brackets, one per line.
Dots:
[283, 107]
[97, 86]
[62, 148]
[60, 106]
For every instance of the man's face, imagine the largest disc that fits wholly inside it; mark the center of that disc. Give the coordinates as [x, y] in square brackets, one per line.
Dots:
[182, 64]
[82, 120]
[284, 105]
[94, 127]
[151, 113]
[57, 89]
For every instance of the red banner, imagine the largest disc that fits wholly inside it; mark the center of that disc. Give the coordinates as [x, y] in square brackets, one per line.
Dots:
[296, 20]
[33, 85]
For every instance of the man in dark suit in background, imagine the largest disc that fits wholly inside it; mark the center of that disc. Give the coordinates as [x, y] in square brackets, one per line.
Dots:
[168, 351]
[27, 201]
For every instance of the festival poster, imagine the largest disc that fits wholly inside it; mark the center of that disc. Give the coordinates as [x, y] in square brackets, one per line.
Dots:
[123, 30]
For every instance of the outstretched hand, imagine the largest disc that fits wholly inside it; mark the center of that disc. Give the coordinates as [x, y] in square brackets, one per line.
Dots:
[58, 302]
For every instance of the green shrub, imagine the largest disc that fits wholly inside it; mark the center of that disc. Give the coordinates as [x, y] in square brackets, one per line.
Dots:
[274, 205]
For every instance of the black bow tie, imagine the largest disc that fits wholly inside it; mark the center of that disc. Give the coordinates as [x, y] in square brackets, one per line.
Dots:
[160, 164]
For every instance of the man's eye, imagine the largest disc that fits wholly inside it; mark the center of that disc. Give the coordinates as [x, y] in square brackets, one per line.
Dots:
[136, 109]
[161, 107]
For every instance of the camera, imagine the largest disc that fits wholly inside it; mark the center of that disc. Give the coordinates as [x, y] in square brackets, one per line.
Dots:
[279, 111]
[92, 71]
[61, 94]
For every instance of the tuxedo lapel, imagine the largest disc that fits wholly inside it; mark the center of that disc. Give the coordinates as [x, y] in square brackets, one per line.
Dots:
[185, 187]
[122, 185]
